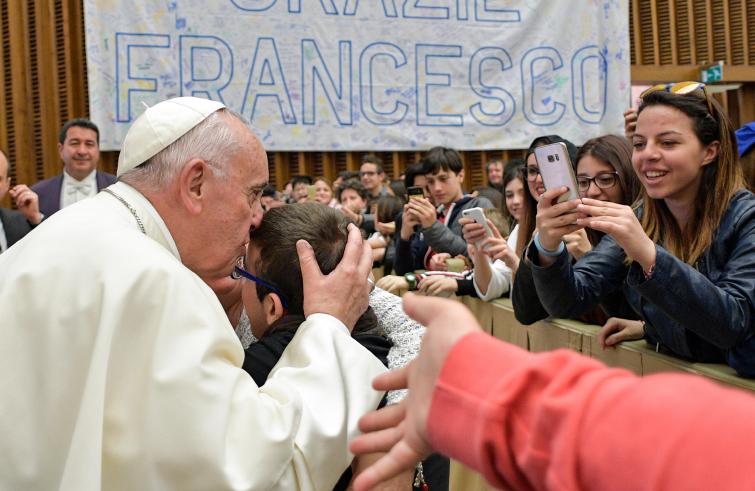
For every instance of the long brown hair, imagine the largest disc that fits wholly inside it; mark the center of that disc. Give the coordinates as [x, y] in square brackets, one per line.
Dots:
[529, 210]
[721, 178]
[617, 152]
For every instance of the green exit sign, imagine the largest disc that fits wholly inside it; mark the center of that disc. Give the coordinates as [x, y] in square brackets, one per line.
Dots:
[713, 73]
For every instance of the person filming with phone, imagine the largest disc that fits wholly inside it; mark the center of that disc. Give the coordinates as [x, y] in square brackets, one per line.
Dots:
[438, 224]
[685, 258]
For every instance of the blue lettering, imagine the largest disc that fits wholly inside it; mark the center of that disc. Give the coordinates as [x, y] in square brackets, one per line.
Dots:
[367, 86]
[426, 79]
[313, 67]
[294, 7]
[414, 10]
[267, 53]
[197, 55]
[589, 109]
[483, 13]
[253, 5]
[126, 81]
[539, 85]
[499, 58]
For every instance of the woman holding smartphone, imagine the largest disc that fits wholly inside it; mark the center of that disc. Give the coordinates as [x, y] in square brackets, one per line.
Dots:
[686, 258]
[604, 173]
[494, 279]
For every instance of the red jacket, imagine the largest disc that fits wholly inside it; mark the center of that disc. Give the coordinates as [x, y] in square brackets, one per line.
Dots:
[562, 421]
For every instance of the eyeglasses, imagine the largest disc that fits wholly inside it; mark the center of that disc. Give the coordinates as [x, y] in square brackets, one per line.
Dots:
[604, 180]
[239, 272]
[368, 173]
[531, 172]
[681, 88]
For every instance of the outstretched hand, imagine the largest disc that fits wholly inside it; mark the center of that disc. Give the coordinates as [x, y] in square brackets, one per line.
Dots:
[401, 430]
[344, 293]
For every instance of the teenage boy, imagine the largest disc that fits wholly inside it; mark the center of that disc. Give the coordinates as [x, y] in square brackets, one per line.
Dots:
[437, 224]
[274, 296]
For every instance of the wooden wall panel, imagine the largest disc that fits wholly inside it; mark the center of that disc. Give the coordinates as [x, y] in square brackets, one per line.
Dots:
[44, 80]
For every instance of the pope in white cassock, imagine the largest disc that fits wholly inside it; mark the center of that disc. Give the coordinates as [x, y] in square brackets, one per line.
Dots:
[118, 366]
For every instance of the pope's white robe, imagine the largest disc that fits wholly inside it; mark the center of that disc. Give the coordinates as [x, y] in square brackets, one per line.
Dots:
[119, 370]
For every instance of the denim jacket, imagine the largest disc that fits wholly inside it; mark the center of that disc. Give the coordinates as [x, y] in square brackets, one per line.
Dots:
[704, 313]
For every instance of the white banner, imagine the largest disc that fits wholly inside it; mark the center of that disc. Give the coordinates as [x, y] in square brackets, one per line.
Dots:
[370, 74]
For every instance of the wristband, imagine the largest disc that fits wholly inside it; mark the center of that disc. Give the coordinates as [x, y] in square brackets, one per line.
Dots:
[411, 280]
[545, 252]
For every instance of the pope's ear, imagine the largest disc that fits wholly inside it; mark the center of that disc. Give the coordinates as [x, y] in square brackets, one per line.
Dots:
[273, 308]
[192, 181]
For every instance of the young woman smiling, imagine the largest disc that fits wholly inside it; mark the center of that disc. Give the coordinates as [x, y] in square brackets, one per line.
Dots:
[497, 259]
[687, 264]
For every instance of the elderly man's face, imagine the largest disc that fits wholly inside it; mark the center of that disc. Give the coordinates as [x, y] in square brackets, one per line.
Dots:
[80, 152]
[232, 205]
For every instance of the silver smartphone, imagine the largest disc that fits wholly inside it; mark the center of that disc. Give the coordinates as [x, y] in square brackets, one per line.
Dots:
[557, 170]
[478, 216]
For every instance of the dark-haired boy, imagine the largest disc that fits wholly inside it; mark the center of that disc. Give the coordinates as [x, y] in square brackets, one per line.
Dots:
[436, 224]
[273, 296]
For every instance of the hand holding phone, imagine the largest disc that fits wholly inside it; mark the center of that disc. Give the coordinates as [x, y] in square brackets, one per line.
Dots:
[478, 216]
[557, 170]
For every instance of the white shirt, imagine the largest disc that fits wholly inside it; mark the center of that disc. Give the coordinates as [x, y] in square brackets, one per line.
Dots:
[500, 274]
[121, 371]
[73, 191]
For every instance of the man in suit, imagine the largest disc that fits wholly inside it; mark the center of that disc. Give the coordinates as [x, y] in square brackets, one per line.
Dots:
[79, 148]
[15, 224]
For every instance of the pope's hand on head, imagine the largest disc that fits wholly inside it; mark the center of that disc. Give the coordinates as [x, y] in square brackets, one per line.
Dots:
[344, 293]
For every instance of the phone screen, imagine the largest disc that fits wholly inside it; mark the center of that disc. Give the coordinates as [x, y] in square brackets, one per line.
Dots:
[415, 192]
[311, 192]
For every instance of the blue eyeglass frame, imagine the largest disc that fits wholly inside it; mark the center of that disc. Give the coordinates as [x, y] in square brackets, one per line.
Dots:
[241, 272]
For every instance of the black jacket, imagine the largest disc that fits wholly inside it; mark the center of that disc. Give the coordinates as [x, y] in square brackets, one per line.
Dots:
[15, 225]
[528, 309]
[705, 313]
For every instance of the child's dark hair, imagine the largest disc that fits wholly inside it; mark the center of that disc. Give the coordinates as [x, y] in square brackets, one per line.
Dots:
[275, 239]
[441, 158]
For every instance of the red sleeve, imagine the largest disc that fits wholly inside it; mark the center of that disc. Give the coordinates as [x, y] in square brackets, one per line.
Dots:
[562, 421]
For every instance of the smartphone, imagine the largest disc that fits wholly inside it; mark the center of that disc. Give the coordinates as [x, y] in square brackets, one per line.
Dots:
[311, 192]
[478, 216]
[557, 170]
[415, 192]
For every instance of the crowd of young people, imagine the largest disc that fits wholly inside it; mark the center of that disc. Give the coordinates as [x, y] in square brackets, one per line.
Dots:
[660, 245]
